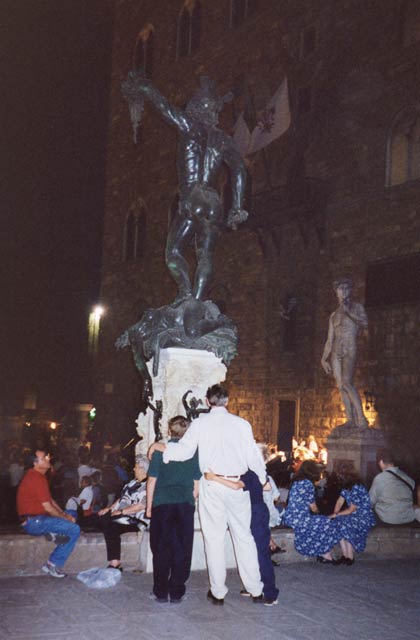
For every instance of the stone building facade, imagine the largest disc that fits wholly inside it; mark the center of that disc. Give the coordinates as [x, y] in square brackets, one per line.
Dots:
[337, 194]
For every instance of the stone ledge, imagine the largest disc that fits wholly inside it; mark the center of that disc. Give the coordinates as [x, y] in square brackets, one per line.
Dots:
[23, 555]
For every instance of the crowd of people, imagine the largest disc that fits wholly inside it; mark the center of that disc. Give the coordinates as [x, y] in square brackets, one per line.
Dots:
[245, 487]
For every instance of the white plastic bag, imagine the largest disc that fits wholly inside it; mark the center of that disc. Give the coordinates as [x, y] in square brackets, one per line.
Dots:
[97, 578]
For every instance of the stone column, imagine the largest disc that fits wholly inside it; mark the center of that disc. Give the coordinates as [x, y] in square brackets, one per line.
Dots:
[179, 371]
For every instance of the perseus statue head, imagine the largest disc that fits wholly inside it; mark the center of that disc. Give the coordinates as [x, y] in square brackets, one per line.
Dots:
[205, 104]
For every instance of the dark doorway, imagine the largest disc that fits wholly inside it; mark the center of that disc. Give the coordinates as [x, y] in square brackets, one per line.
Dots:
[286, 425]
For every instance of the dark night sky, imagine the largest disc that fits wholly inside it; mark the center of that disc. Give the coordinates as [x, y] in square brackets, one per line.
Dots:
[54, 68]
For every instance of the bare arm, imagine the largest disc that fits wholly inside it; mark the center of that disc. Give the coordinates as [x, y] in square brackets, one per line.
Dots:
[196, 489]
[231, 484]
[150, 491]
[328, 346]
[156, 446]
[338, 504]
[357, 313]
[346, 512]
[54, 510]
[313, 507]
[137, 86]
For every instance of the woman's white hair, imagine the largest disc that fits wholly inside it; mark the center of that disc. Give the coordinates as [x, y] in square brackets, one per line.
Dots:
[143, 462]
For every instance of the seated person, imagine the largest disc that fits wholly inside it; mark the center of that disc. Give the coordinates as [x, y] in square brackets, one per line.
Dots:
[315, 534]
[100, 497]
[125, 514]
[86, 496]
[391, 493]
[40, 515]
[81, 506]
[356, 518]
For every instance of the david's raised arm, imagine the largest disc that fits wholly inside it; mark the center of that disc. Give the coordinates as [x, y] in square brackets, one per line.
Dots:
[137, 87]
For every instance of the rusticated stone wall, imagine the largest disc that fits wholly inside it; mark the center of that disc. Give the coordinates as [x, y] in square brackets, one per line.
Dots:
[320, 208]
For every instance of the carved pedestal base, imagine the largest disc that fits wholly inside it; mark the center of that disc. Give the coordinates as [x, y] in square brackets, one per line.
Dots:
[355, 446]
[180, 370]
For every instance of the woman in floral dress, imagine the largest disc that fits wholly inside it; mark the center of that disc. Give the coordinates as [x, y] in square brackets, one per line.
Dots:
[315, 535]
[357, 519]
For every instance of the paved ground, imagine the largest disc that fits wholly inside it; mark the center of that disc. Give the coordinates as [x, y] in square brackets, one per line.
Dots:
[373, 599]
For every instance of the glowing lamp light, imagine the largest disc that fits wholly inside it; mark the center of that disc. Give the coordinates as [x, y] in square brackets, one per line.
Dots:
[98, 312]
[53, 426]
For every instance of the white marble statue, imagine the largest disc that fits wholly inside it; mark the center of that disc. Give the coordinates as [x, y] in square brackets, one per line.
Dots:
[340, 350]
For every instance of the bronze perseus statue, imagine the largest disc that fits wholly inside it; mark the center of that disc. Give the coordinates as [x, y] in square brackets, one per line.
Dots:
[202, 149]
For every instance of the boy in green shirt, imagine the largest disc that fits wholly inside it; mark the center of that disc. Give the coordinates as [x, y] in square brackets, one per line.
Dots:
[171, 492]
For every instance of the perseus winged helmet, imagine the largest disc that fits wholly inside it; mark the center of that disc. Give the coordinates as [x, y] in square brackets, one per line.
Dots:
[207, 91]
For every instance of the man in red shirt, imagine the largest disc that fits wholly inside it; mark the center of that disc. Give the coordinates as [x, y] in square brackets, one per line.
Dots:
[42, 516]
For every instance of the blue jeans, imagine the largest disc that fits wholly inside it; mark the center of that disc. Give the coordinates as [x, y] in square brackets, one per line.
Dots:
[40, 525]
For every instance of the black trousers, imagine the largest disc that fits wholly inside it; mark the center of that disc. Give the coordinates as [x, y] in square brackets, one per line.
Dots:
[112, 531]
[171, 541]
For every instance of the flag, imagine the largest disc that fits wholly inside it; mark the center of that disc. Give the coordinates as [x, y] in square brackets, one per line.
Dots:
[273, 121]
[241, 135]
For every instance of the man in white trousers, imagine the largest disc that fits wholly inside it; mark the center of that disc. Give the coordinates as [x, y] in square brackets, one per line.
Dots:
[226, 446]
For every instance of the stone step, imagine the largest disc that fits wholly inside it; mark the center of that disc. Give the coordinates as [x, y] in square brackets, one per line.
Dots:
[24, 555]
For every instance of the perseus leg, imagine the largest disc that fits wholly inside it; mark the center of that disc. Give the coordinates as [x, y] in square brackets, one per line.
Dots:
[206, 242]
[178, 236]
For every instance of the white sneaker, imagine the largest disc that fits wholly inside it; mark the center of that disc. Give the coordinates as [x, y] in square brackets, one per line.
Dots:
[53, 571]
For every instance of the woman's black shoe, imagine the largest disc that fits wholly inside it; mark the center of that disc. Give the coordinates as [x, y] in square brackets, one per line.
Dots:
[322, 560]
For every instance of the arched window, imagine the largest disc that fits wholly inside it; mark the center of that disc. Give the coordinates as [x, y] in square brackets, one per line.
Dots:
[410, 22]
[143, 52]
[240, 10]
[189, 28]
[134, 242]
[403, 153]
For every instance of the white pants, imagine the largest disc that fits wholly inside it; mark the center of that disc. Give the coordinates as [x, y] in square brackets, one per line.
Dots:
[219, 508]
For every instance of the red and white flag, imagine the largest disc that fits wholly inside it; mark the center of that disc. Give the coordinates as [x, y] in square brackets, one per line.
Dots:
[242, 135]
[273, 121]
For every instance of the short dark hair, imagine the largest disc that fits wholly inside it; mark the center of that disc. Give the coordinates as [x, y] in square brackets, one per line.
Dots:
[348, 475]
[217, 395]
[30, 458]
[177, 426]
[385, 455]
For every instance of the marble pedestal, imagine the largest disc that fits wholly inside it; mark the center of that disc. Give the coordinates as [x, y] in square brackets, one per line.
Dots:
[357, 447]
[180, 370]
[198, 560]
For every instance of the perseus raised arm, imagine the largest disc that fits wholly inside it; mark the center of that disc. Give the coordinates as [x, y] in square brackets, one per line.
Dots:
[137, 87]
